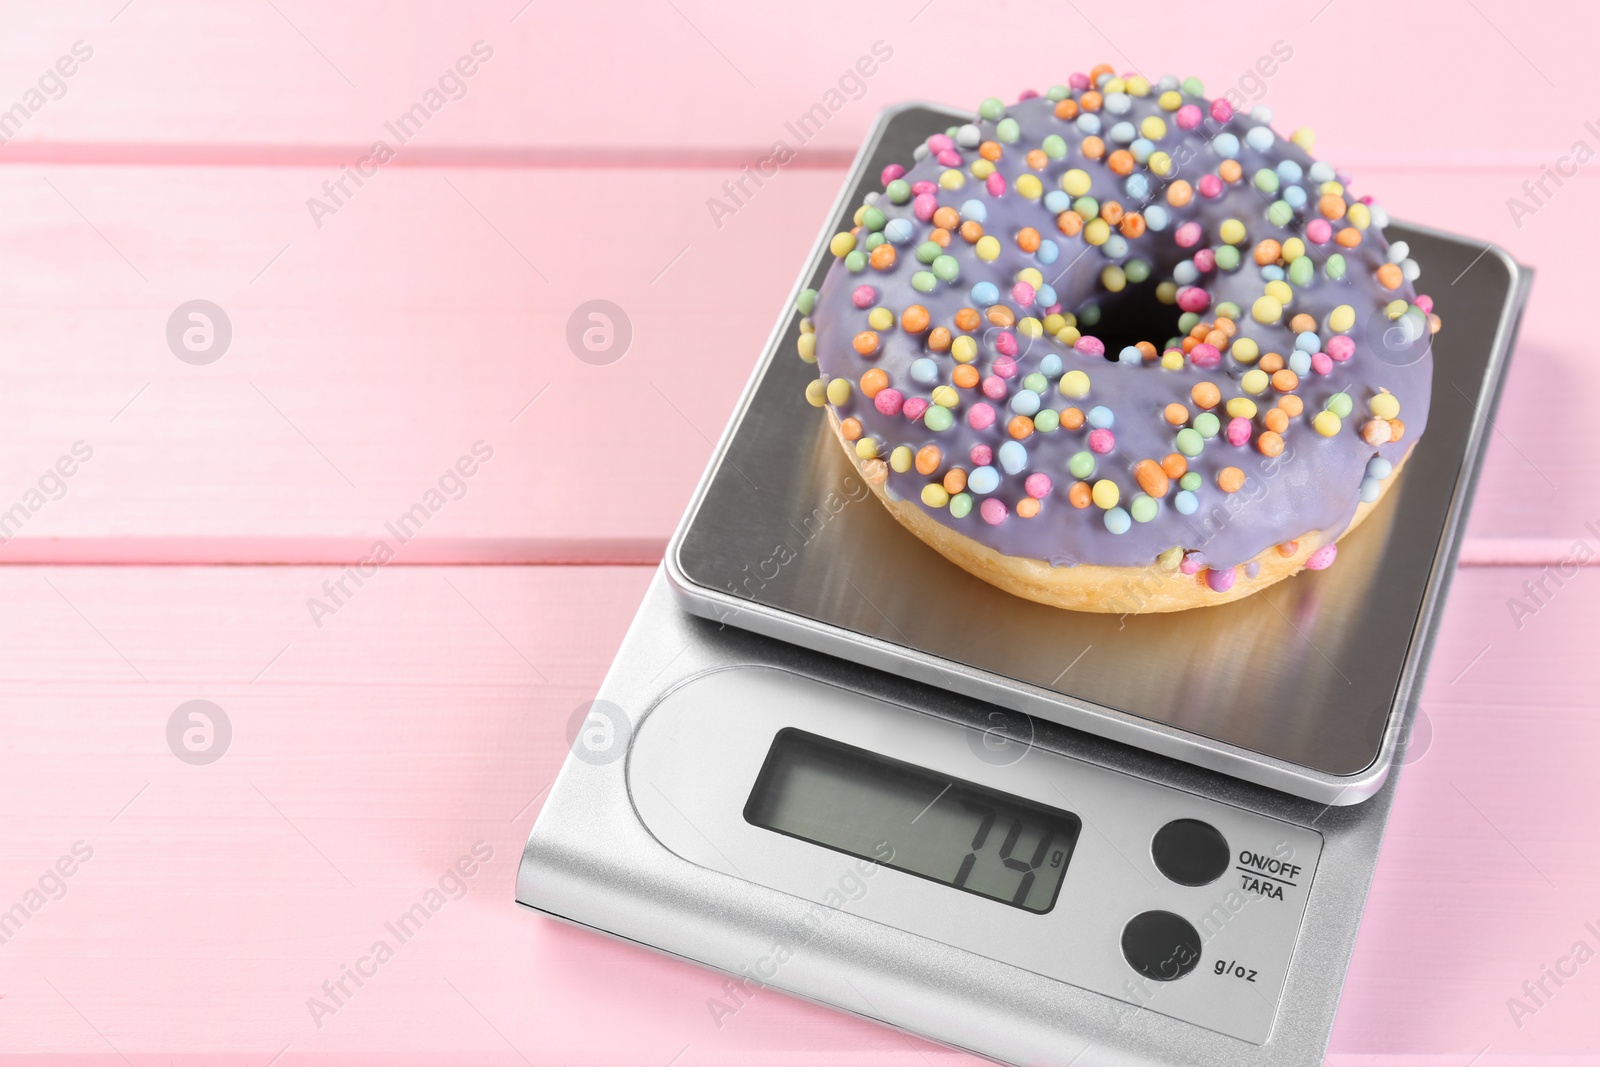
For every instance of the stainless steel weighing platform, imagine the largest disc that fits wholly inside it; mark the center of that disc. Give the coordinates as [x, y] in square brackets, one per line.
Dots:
[1173, 819]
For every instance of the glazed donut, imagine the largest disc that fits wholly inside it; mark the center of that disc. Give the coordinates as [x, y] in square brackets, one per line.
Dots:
[1120, 345]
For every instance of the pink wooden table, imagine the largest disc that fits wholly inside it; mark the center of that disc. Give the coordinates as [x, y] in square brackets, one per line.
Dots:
[154, 911]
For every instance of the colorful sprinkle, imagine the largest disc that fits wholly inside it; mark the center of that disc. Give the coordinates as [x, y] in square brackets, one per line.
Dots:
[1322, 558]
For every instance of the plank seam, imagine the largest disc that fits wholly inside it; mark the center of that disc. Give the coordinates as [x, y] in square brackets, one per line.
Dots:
[510, 552]
[541, 157]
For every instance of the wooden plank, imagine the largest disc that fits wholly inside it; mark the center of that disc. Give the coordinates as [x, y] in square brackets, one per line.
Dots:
[369, 754]
[370, 354]
[1477, 889]
[699, 75]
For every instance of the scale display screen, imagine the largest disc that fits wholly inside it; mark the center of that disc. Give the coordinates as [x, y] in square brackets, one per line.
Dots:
[914, 820]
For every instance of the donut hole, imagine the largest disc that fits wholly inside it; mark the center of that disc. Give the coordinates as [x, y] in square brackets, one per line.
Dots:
[1134, 315]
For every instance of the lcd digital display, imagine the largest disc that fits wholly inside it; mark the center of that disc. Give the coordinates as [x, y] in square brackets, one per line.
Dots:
[966, 836]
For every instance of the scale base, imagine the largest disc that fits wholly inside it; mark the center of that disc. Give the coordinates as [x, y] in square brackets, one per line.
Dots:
[592, 862]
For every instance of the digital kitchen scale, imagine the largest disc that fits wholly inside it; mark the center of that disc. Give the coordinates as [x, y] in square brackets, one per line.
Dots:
[830, 762]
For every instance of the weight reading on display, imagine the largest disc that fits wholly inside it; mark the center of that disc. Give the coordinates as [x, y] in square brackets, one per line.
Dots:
[936, 827]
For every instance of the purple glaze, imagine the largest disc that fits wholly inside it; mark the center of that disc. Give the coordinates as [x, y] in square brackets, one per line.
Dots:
[1314, 485]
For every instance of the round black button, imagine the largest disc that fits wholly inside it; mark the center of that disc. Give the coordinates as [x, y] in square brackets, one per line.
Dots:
[1161, 945]
[1190, 852]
